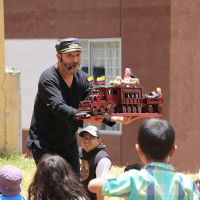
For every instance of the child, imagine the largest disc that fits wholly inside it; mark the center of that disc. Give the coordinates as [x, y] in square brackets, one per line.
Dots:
[55, 180]
[10, 180]
[158, 179]
[95, 161]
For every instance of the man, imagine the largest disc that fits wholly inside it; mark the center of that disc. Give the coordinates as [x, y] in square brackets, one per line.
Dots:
[60, 89]
[158, 179]
[95, 162]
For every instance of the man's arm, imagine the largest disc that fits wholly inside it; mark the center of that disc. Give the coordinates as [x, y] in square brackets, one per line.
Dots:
[110, 121]
[49, 90]
[123, 120]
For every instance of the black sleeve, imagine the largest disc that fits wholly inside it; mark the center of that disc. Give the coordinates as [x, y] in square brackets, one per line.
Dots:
[107, 122]
[49, 91]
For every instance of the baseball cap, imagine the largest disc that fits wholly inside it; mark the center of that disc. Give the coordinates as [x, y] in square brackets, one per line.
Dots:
[10, 180]
[92, 130]
[68, 45]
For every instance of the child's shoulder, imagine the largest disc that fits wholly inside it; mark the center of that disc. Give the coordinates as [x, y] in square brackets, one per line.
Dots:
[14, 197]
[185, 178]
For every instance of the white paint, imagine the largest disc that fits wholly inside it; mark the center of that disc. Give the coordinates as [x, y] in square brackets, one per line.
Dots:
[31, 57]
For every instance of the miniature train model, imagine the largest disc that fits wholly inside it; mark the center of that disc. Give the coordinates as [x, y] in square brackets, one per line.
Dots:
[124, 98]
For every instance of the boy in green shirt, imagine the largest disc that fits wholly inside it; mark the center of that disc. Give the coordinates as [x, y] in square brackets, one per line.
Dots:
[158, 180]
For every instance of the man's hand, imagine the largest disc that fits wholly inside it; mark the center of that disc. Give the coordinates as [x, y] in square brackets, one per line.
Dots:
[92, 120]
[123, 120]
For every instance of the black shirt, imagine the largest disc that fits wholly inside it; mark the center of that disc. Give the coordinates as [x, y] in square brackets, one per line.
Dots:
[53, 125]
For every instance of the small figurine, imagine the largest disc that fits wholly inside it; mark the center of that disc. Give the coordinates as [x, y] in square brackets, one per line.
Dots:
[159, 91]
[117, 81]
[127, 75]
[154, 94]
[130, 78]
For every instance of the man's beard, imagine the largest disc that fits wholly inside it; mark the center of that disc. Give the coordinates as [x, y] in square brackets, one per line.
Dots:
[70, 68]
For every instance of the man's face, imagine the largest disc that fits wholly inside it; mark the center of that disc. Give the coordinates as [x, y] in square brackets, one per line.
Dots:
[89, 142]
[70, 62]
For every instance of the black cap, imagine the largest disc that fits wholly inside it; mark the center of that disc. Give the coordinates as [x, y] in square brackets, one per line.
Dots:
[68, 45]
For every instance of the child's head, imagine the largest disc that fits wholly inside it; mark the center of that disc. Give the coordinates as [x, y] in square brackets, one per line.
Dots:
[55, 179]
[53, 169]
[156, 139]
[89, 138]
[10, 180]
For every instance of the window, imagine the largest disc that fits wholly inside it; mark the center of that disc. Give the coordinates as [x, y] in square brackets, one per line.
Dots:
[101, 58]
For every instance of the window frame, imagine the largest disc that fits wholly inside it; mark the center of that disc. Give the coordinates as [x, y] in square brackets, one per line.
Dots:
[90, 72]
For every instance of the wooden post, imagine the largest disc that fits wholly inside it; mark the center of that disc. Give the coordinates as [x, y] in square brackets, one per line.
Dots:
[2, 79]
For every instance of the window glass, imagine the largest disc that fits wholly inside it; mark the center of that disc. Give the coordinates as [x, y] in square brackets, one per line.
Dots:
[101, 58]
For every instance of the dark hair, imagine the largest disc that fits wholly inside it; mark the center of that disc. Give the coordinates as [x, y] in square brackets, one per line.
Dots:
[55, 180]
[137, 166]
[156, 138]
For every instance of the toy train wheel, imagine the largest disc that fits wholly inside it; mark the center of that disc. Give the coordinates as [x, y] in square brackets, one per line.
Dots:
[124, 108]
[160, 108]
[94, 111]
[155, 108]
[102, 109]
[110, 108]
[129, 109]
[145, 109]
[139, 109]
[150, 109]
[134, 109]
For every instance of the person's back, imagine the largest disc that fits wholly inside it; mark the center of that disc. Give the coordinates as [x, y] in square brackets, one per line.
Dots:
[55, 180]
[158, 180]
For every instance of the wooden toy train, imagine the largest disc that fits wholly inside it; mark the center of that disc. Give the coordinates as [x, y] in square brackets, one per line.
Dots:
[123, 98]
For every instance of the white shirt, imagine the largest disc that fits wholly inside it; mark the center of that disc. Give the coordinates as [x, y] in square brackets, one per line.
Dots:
[103, 167]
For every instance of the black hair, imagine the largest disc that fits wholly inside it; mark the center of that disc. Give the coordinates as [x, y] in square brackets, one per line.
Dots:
[137, 166]
[54, 179]
[156, 138]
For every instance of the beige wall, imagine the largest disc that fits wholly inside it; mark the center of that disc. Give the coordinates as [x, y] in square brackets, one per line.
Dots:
[10, 136]
[2, 96]
[9, 101]
[12, 111]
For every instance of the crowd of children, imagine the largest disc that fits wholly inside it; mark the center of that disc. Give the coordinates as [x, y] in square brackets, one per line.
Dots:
[155, 178]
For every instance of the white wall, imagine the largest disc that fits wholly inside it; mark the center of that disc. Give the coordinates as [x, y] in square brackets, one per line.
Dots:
[31, 57]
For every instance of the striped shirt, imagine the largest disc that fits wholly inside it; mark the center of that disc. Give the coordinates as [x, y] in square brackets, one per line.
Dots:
[156, 181]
